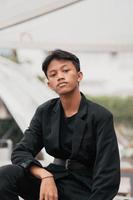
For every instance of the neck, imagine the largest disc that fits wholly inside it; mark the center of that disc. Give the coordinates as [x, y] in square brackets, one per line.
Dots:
[70, 103]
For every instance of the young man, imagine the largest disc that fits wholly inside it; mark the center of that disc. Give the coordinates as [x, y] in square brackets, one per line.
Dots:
[77, 132]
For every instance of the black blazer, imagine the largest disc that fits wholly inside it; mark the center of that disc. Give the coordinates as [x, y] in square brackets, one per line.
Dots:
[94, 143]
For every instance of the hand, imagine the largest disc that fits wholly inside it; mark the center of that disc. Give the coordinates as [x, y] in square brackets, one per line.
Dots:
[48, 189]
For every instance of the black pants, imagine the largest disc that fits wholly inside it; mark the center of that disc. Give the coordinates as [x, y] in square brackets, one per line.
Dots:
[15, 182]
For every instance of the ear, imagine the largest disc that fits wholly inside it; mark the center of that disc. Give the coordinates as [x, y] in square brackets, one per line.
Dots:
[49, 85]
[80, 76]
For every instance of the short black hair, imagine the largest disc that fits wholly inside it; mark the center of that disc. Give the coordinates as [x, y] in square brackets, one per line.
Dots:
[59, 54]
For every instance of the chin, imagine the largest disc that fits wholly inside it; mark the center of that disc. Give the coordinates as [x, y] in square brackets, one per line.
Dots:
[64, 92]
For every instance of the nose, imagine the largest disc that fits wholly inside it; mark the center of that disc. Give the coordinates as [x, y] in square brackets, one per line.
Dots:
[60, 76]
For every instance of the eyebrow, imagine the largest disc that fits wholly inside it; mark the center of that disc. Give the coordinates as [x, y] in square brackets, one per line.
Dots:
[53, 70]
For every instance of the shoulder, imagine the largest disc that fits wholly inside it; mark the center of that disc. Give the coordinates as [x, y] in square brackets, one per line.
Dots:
[102, 119]
[98, 111]
[46, 105]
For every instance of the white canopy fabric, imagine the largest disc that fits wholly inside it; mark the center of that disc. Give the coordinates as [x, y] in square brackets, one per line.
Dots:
[21, 91]
[19, 11]
[86, 25]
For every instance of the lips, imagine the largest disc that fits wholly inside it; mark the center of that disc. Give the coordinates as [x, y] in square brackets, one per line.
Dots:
[62, 84]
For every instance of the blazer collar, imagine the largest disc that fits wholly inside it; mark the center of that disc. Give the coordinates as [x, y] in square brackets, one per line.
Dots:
[79, 127]
[82, 107]
[55, 125]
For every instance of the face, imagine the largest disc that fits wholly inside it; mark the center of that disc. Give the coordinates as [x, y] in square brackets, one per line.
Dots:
[63, 77]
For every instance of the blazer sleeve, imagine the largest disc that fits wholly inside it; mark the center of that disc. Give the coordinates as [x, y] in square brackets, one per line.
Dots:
[31, 144]
[106, 173]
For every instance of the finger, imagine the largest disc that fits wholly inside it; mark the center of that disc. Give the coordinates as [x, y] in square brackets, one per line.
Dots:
[50, 197]
[46, 198]
[53, 197]
[41, 198]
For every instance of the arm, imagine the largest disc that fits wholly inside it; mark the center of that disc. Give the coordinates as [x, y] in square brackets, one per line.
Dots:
[106, 174]
[48, 189]
[24, 153]
[31, 144]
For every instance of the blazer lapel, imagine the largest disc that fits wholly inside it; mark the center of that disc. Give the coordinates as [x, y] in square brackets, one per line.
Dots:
[79, 128]
[53, 136]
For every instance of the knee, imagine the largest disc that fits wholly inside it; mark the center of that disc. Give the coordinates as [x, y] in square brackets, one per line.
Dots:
[9, 174]
[10, 170]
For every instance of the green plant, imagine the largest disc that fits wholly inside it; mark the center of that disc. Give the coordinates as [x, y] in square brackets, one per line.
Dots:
[122, 108]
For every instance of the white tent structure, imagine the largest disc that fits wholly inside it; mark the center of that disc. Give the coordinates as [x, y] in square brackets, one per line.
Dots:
[21, 91]
[84, 25]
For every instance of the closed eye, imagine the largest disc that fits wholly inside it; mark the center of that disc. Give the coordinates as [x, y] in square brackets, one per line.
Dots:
[66, 70]
[52, 75]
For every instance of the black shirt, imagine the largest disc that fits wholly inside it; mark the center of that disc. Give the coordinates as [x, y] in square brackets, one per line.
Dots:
[66, 134]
